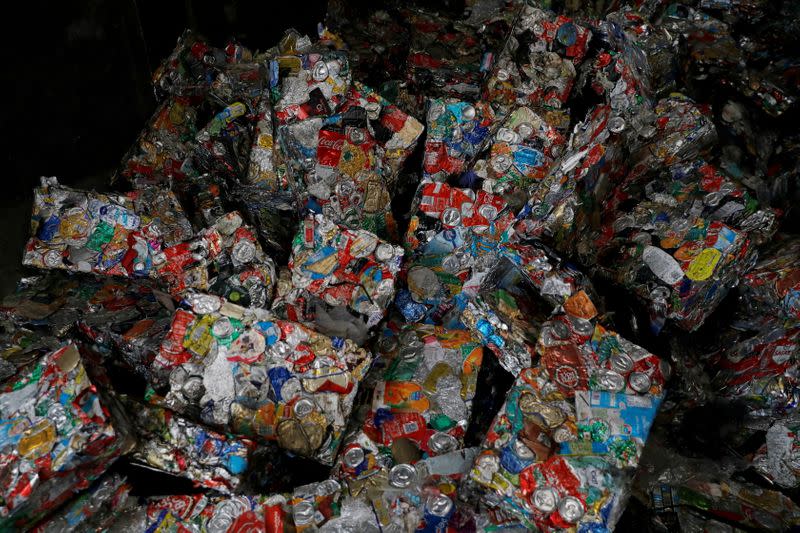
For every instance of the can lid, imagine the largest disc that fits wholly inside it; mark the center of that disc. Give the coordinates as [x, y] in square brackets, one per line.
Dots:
[439, 505]
[451, 216]
[192, 388]
[507, 136]
[53, 258]
[571, 509]
[621, 362]
[616, 124]
[525, 130]
[320, 71]
[522, 451]
[357, 136]
[441, 442]
[488, 211]
[559, 329]
[468, 112]
[328, 486]
[660, 293]
[581, 326]
[204, 303]
[303, 407]
[640, 382]
[222, 327]
[354, 456]
[402, 475]
[610, 380]
[545, 499]
[384, 252]
[303, 512]
[500, 163]
[243, 251]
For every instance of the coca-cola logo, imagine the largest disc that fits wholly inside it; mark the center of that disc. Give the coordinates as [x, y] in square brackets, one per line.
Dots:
[567, 376]
[331, 144]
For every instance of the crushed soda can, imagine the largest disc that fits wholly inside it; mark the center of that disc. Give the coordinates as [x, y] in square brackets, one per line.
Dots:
[244, 371]
[572, 192]
[317, 506]
[457, 131]
[583, 414]
[222, 148]
[444, 59]
[704, 56]
[58, 436]
[421, 403]
[164, 147]
[175, 445]
[359, 151]
[758, 364]
[189, 68]
[223, 144]
[343, 267]
[109, 234]
[124, 321]
[264, 167]
[200, 512]
[521, 154]
[275, 216]
[20, 346]
[656, 43]
[451, 238]
[392, 130]
[777, 458]
[449, 54]
[772, 287]
[538, 66]
[743, 503]
[684, 244]
[685, 289]
[377, 46]
[225, 259]
[577, 183]
[421, 496]
[312, 79]
[682, 132]
[96, 509]
[517, 296]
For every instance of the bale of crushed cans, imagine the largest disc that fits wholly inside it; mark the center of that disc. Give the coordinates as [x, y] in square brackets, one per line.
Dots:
[522, 266]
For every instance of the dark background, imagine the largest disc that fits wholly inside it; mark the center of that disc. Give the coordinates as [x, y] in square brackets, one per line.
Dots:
[77, 76]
